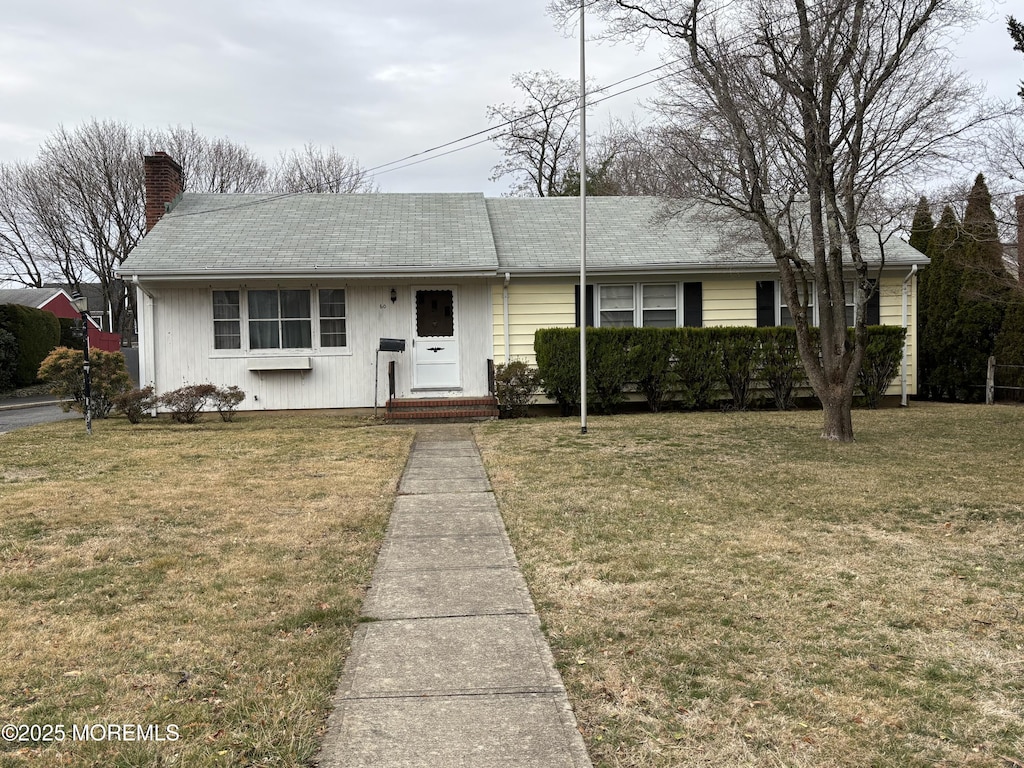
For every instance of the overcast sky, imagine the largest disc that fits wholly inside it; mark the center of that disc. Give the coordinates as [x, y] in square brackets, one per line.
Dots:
[380, 81]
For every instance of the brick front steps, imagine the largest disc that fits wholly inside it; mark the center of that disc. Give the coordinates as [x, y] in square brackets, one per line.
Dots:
[442, 409]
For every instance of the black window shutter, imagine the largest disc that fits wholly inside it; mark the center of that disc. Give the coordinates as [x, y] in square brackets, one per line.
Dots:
[765, 303]
[873, 310]
[590, 306]
[693, 305]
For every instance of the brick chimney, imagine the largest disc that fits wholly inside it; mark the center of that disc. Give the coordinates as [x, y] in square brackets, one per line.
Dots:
[1019, 200]
[164, 183]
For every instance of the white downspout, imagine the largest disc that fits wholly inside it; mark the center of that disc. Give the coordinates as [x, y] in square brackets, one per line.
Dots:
[504, 308]
[147, 339]
[906, 337]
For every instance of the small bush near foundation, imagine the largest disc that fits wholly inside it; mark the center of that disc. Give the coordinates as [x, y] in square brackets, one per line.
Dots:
[226, 400]
[135, 403]
[186, 403]
[515, 385]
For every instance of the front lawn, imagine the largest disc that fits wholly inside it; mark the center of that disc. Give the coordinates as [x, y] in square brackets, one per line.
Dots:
[730, 590]
[206, 578]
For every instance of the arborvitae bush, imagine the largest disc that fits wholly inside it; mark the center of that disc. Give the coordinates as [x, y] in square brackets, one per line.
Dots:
[781, 369]
[651, 355]
[515, 386]
[692, 366]
[741, 359]
[558, 364]
[608, 369]
[697, 363]
[37, 333]
[882, 358]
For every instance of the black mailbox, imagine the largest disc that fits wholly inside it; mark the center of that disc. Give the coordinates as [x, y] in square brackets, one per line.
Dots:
[391, 345]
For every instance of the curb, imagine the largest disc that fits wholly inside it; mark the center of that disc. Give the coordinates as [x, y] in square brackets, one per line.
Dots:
[23, 406]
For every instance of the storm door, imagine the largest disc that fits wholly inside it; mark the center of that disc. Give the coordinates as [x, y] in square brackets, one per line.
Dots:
[435, 347]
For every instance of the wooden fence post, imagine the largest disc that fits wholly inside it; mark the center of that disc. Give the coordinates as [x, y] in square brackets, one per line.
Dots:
[990, 382]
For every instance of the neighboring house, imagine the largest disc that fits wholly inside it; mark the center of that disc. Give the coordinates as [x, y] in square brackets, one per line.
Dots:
[58, 301]
[288, 297]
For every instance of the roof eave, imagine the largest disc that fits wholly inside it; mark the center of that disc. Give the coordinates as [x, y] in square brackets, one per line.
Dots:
[316, 272]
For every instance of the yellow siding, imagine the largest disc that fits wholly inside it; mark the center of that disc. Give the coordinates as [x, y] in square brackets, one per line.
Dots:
[729, 300]
[532, 304]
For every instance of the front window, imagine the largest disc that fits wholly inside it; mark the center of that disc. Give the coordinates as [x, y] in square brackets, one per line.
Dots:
[659, 306]
[616, 306]
[269, 319]
[227, 320]
[332, 317]
[279, 319]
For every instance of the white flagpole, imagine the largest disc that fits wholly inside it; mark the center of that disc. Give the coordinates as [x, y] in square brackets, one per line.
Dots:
[583, 225]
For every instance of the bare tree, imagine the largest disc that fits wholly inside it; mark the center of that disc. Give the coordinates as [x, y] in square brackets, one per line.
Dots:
[96, 176]
[315, 169]
[213, 165]
[540, 135]
[796, 116]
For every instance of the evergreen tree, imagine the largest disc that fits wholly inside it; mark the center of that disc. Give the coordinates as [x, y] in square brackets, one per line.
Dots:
[939, 300]
[922, 227]
[1016, 30]
[983, 295]
[1009, 346]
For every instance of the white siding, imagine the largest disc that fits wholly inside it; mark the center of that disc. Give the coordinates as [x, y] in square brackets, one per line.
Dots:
[178, 326]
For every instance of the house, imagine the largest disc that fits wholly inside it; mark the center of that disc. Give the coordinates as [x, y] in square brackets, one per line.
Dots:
[290, 296]
[58, 301]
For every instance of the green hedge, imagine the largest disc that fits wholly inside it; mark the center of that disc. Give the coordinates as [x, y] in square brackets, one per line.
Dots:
[695, 367]
[36, 332]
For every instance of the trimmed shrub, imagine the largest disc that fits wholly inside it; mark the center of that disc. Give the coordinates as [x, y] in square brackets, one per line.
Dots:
[558, 365]
[608, 369]
[37, 333]
[697, 365]
[515, 384]
[740, 348]
[135, 403]
[226, 400]
[882, 357]
[651, 361]
[62, 370]
[781, 369]
[186, 403]
[8, 359]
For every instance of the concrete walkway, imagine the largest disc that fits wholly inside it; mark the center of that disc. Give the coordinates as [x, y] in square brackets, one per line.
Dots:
[452, 670]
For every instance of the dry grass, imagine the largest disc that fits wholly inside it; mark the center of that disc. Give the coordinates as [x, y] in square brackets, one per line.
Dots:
[728, 590]
[207, 577]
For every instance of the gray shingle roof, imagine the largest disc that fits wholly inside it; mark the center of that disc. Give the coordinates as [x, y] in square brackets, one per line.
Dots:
[414, 234]
[319, 234]
[635, 234]
[27, 297]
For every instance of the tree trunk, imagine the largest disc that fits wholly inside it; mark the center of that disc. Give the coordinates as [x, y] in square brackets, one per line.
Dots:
[837, 410]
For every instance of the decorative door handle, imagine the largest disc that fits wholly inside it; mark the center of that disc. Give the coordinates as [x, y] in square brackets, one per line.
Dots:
[434, 349]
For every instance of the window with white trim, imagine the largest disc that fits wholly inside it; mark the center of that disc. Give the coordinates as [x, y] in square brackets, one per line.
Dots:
[332, 317]
[227, 320]
[649, 305]
[279, 318]
[772, 309]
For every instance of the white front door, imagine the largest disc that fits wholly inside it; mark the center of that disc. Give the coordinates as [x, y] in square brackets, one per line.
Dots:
[435, 346]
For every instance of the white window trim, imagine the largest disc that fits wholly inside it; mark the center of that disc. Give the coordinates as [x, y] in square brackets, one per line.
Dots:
[638, 297]
[780, 302]
[314, 311]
